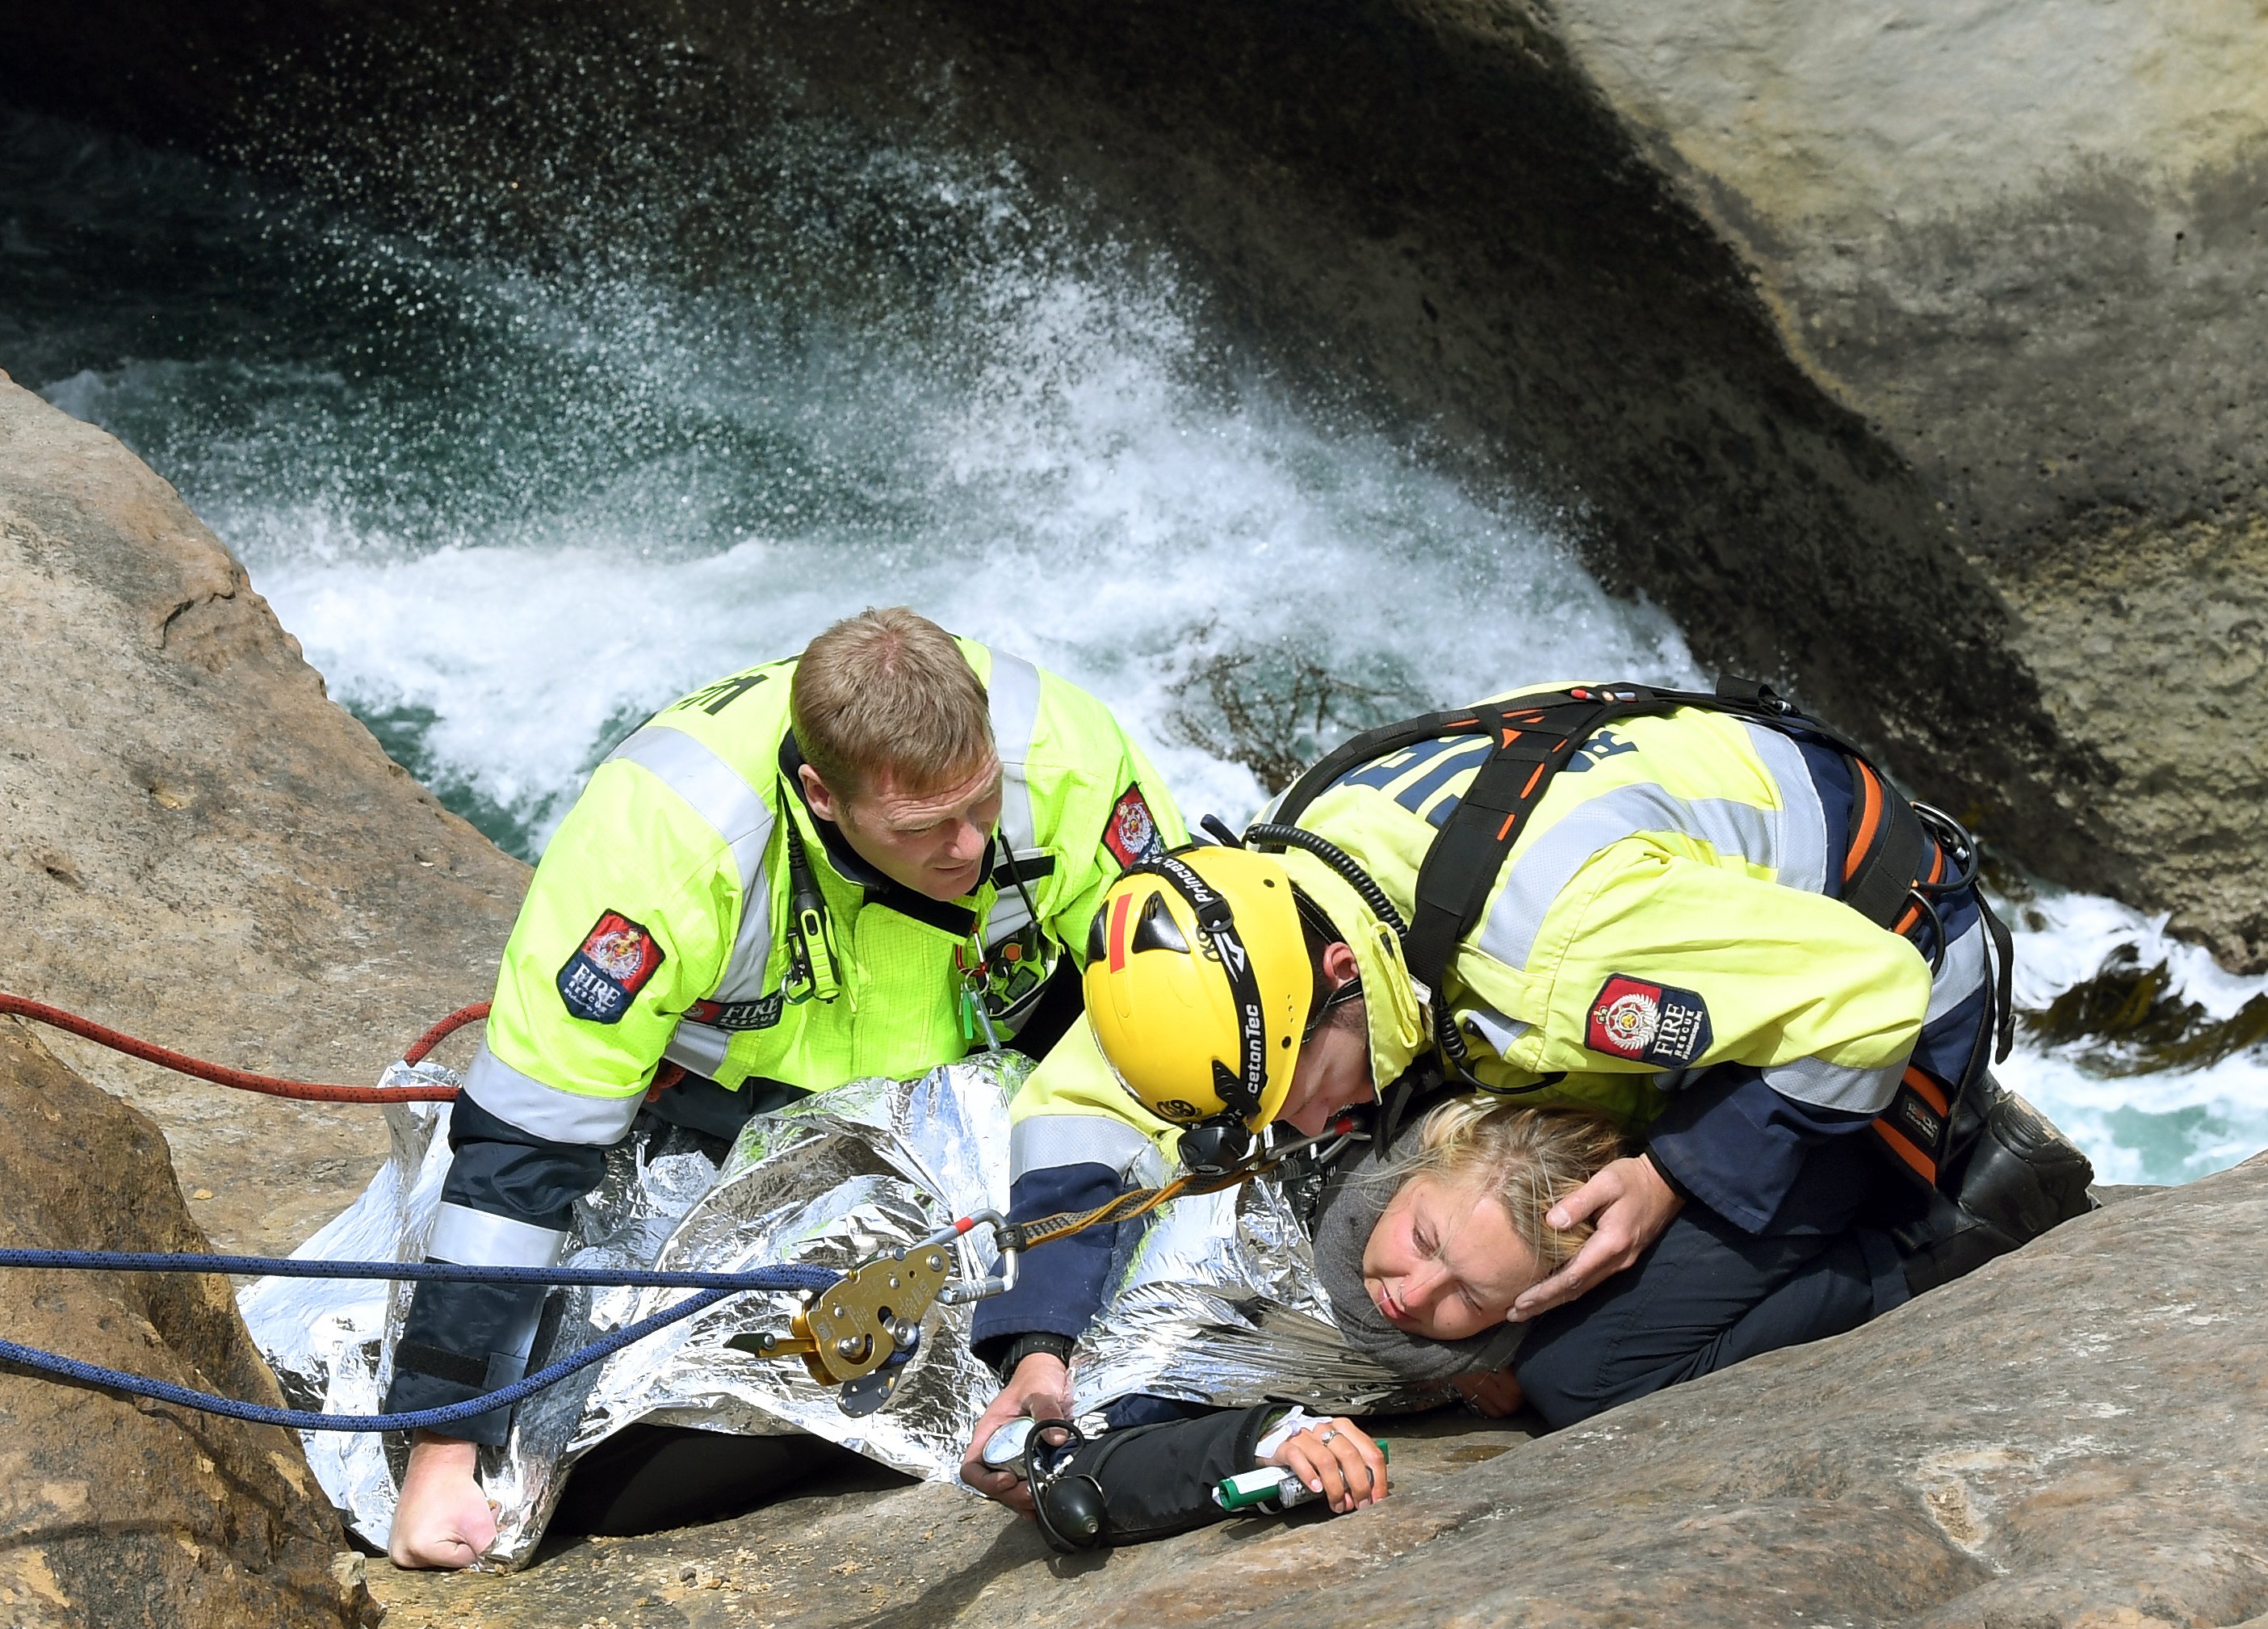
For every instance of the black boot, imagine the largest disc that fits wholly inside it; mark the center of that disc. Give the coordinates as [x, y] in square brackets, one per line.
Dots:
[2014, 1177]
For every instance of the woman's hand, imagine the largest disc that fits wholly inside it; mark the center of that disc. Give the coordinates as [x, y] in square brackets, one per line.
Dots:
[1631, 1205]
[1338, 1461]
[1495, 1394]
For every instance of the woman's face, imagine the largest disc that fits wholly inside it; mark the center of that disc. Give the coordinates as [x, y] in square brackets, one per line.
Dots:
[1444, 1262]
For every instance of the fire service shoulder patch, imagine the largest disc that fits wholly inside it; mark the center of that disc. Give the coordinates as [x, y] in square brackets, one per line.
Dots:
[616, 960]
[1132, 835]
[1656, 1024]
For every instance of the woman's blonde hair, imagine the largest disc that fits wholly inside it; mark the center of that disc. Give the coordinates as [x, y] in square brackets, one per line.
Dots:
[1527, 1158]
[889, 690]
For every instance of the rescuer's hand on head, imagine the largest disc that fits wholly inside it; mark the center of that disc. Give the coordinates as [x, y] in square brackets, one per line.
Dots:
[1040, 1387]
[1629, 1205]
[443, 1519]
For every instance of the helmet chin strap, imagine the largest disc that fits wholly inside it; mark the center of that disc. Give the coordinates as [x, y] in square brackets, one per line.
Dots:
[1241, 1088]
[1223, 1144]
[1218, 1145]
[1350, 990]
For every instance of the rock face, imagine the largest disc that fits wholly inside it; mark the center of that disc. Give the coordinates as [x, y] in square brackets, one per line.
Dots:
[199, 847]
[2022, 241]
[2071, 1436]
[2070, 1439]
[119, 1513]
[1910, 356]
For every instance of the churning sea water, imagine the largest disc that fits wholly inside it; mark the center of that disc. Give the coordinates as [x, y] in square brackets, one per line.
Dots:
[509, 512]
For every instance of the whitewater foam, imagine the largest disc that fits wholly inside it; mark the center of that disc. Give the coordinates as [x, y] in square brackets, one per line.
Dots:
[508, 515]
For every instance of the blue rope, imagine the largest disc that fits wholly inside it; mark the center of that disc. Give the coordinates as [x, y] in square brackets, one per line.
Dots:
[715, 1287]
[446, 1272]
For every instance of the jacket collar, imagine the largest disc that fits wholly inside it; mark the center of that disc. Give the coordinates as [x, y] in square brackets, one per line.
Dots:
[1396, 1018]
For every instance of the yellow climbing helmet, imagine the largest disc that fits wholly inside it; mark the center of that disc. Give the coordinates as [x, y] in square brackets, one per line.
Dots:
[1199, 984]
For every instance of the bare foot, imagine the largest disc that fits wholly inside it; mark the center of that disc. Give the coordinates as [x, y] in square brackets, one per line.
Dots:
[443, 1519]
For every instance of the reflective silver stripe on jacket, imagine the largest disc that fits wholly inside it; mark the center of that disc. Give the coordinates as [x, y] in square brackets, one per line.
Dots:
[1961, 975]
[698, 1047]
[1008, 917]
[1493, 1027]
[1046, 1141]
[1823, 1085]
[1015, 693]
[472, 1238]
[714, 790]
[559, 1116]
[1803, 847]
[1548, 863]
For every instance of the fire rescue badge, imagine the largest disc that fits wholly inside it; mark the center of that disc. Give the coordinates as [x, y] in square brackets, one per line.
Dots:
[617, 957]
[1648, 1023]
[1132, 835]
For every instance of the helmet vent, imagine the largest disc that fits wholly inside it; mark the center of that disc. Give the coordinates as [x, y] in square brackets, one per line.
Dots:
[1155, 928]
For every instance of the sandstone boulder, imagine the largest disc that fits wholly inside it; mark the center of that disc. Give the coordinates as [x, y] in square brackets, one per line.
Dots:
[119, 1512]
[2022, 241]
[199, 847]
[2073, 1438]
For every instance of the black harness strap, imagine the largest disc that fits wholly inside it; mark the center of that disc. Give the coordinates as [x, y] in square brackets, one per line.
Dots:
[1242, 1091]
[1534, 740]
[1535, 737]
[1895, 853]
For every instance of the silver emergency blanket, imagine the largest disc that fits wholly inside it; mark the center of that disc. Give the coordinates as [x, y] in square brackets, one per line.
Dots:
[1221, 1303]
[837, 1180]
[1218, 1302]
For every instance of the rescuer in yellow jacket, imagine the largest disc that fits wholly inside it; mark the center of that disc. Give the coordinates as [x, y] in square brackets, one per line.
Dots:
[1709, 918]
[867, 860]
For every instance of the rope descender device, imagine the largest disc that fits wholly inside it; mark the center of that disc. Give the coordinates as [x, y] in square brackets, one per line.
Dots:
[860, 1334]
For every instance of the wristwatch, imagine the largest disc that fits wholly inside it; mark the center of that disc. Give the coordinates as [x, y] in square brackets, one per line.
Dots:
[1040, 1340]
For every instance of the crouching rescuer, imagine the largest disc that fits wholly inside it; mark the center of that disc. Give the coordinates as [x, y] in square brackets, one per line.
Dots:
[1707, 916]
[863, 861]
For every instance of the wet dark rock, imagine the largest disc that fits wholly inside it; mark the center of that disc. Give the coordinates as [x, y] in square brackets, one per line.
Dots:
[1908, 359]
[119, 1512]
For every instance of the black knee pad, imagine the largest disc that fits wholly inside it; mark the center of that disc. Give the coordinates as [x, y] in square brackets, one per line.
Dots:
[2024, 1174]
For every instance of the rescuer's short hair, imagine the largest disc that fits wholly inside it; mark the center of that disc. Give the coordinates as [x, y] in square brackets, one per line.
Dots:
[889, 690]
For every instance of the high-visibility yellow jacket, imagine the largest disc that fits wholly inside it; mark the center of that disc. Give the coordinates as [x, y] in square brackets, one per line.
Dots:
[658, 926]
[1668, 909]
[672, 870]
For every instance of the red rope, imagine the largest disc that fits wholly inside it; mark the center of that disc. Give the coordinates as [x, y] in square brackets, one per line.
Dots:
[304, 1091]
[443, 1030]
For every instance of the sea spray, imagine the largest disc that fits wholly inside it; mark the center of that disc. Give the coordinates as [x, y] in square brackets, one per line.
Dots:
[510, 511]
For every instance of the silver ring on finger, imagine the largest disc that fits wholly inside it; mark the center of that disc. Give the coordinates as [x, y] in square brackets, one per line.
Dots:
[1328, 1433]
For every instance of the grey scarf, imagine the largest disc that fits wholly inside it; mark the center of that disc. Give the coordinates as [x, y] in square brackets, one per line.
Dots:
[1351, 1207]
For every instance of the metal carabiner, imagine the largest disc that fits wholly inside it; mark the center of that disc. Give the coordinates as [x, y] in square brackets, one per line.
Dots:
[959, 1294]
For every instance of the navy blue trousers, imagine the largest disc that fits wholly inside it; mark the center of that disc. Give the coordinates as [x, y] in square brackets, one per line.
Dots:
[1705, 1296]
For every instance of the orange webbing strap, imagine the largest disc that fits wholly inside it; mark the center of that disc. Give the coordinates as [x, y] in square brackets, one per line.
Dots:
[1913, 1127]
[1127, 1206]
[1869, 822]
[1890, 850]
